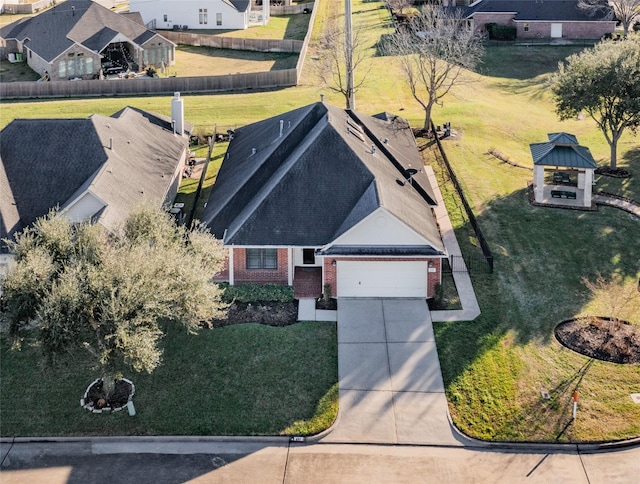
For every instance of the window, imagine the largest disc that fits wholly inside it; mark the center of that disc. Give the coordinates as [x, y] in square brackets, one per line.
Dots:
[308, 256]
[526, 27]
[218, 19]
[166, 17]
[262, 258]
[88, 66]
[202, 16]
[62, 69]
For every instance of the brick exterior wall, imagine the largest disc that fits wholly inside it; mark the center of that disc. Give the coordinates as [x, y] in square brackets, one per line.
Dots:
[242, 275]
[570, 30]
[433, 278]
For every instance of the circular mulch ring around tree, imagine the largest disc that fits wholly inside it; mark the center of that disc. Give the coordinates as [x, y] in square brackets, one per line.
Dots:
[95, 398]
[613, 172]
[602, 338]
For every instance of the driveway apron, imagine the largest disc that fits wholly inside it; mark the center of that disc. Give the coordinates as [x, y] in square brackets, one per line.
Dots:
[390, 383]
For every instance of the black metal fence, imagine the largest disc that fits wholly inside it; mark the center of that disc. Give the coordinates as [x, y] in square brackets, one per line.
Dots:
[486, 251]
[473, 264]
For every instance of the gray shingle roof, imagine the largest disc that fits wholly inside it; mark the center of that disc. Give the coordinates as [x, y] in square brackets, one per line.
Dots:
[317, 180]
[537, 10]
[71, 156]
[84, 22]
[562, 149]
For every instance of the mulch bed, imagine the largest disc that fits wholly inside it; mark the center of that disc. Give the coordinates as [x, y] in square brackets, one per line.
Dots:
[119, 398]
[613, 172]
[601, 338]
[263, 312]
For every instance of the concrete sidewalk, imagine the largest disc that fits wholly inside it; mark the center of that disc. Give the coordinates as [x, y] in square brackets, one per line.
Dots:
[470, 308]
[391, 388]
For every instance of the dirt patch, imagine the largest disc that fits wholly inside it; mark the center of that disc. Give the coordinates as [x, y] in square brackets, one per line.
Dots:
[263, 312]
[601, 338]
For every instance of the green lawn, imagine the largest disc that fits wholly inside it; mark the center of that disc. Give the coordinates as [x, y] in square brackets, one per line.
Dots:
[496, 366]
[292, 27]
[239, 380]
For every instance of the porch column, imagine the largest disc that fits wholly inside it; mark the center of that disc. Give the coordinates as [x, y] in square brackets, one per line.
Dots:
[231, 266]
[290, 266]
[581, 180]
[588, 187]
[538, 183]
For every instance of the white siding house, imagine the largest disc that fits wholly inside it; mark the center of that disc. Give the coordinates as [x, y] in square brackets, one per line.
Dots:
[193, 14]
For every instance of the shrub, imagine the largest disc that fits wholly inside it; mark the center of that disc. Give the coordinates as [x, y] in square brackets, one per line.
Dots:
[501, 32]
[256, 292]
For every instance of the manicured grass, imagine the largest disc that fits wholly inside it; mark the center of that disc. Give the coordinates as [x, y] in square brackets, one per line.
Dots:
[193, 61]
[239, 380]
[292, 27]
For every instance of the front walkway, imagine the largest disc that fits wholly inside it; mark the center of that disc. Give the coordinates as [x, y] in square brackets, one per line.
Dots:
[470, 308]
[391, 388]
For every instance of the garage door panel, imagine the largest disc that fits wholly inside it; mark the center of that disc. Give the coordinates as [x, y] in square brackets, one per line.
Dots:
[382, 279]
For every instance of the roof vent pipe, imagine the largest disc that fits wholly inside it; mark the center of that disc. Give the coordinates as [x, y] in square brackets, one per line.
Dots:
[253, 151]
[73, 11]
[281, 127]
[111, 144]
[373, 149]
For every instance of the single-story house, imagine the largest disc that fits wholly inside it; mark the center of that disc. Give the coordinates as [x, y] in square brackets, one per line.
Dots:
[201, 14]
[78, 39]
[562, 171]
[97, 168]
[553, 19]
[328, 201]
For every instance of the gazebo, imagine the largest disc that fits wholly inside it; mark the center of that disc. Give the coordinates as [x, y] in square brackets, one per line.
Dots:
[563, 171]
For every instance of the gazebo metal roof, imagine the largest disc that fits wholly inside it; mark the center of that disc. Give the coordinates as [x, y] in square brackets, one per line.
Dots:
[562, 149]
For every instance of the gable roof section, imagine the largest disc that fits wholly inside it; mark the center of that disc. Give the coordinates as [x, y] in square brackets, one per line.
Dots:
[239, 5]
[313, 183]
[83, 22]
[562, 149]
[536, 10]
[72, 156]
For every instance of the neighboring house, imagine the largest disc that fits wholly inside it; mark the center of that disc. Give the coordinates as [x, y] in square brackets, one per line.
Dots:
[319, 198]
[541, 18]
[569, 167]
[96, 168]
[201, 14]
[79, 38]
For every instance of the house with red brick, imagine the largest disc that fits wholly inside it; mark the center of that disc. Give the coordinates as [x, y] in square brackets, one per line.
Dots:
[327, 200]
[546, 19]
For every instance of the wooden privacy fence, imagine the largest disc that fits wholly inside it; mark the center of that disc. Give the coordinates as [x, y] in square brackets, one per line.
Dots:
[253, 80]
[233, 43]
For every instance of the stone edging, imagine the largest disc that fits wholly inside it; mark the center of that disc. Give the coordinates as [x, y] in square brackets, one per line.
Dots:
[89, 405]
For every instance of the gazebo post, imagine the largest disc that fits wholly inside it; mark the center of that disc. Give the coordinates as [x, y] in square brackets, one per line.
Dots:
[538, 183]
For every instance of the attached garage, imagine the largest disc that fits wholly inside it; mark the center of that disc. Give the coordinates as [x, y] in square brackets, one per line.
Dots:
[382, 279]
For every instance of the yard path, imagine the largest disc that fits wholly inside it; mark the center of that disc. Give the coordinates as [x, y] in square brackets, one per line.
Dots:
[625, 205]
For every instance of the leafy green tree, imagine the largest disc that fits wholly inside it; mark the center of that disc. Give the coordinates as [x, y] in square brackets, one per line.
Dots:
[83, 287]
[604, 82]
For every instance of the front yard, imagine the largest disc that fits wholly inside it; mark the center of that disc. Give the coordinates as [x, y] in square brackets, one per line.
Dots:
[246, 379]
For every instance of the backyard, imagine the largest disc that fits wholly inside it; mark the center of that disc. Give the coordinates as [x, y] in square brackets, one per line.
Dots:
[496, 367]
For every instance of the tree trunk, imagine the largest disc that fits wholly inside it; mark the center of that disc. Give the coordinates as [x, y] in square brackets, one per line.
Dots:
[614, 153]
[427, 117]
[108, 385]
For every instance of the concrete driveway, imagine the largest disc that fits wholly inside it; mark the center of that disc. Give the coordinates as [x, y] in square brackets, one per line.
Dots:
[391, 388]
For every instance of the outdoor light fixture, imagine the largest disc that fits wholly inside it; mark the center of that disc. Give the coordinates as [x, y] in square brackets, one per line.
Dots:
[333, 262]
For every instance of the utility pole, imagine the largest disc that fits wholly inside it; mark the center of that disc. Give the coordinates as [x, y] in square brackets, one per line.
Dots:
[351, 97]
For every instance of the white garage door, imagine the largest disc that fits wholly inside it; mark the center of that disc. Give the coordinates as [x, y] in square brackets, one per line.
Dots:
[382, 279]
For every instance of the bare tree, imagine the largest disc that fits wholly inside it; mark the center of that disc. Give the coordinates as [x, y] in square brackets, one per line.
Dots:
[626, 11]
[434, 50]
[336, 59]
[612, 298]
[398, 6]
